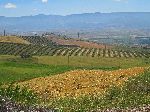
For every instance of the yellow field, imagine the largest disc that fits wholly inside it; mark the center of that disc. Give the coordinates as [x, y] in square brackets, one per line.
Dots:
[13, 39]
[80, 82]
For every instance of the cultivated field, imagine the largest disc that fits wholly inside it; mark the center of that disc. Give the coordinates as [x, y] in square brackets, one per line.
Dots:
[17, 49]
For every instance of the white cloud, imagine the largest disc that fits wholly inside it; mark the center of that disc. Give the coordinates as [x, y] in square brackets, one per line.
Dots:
[44, 1]
[10, 6]
[120, 0]
[35, 9]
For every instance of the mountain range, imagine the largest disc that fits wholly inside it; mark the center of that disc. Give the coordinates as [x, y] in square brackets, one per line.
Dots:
[41, 22]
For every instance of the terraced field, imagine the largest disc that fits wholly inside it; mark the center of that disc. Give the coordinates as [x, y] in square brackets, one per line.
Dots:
[17, 49]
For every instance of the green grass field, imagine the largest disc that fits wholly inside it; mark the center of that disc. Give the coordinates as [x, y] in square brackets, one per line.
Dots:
[94, 62]
[13, 68]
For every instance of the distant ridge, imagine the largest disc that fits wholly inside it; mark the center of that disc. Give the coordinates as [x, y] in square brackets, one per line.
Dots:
[41, 22]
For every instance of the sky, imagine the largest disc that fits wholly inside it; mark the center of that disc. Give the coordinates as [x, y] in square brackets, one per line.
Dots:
[16, 8]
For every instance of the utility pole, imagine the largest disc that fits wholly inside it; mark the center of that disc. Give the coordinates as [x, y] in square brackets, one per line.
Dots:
[130, 41]
[105, 46]
[68, 59]
[78, 35]
[4, 33]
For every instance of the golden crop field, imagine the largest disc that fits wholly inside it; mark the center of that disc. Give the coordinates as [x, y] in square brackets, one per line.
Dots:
[80, 82]
[13, 39]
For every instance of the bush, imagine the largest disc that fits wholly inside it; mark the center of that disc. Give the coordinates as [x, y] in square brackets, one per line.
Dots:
[25, 56]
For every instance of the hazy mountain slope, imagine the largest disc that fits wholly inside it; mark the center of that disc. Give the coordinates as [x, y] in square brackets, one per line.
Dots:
[77, 21]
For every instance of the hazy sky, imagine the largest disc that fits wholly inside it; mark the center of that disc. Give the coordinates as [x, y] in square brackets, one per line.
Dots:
[65, 7]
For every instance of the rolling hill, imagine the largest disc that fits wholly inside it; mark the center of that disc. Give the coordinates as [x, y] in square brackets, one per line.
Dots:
[76, 42]
[13, 39]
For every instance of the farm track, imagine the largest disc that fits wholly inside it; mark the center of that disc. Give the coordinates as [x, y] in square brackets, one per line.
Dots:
[17, 49]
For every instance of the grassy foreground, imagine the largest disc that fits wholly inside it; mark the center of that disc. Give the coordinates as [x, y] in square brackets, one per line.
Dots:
[14, 69]
[135, 91]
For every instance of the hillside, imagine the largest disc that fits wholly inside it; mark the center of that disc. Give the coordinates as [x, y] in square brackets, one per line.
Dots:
[13, 39]
[76, 42]
[18, 49]
[134, 20]
[38, 40]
